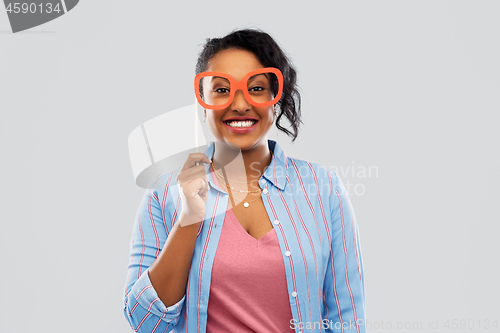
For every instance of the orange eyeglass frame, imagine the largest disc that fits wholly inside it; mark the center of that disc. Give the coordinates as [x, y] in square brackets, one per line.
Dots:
[239, 85]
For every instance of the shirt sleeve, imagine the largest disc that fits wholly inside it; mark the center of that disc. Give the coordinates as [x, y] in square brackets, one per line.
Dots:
[143, 309]
[344, 281]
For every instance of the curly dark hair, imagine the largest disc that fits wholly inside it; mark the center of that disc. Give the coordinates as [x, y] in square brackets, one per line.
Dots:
[269, 54]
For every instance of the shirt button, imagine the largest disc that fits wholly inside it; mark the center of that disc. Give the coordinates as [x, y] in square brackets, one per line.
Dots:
[276, 222]
[263, 181]
[265, 191]
[294, 294]
[287, 253]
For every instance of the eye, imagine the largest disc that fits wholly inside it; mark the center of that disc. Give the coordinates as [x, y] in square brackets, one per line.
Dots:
[257, 88]
[221, 90]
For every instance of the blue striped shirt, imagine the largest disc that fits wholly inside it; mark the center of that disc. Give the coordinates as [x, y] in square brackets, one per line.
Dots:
[318, 237]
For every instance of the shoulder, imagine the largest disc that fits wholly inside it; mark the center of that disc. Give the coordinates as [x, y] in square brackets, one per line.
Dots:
[302, 168]
[308, 172]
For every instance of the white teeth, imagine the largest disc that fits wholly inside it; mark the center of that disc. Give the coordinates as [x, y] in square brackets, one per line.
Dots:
[246, 123]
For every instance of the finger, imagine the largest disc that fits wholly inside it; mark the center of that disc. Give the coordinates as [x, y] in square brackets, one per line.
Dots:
[205, 187]
[203, 190]
[206, 183]
[193, 158]
[191, 173]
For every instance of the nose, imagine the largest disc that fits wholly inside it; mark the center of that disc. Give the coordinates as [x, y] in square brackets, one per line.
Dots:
[240, 102]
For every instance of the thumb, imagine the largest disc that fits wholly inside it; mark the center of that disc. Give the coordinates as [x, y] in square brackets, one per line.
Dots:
[204, 188]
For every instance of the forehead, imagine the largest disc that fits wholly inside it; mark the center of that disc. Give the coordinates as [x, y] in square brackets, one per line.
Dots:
[236, 63]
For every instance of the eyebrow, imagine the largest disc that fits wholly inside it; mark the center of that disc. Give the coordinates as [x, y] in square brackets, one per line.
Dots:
[256, 75]
[250, 78]
[218, 77]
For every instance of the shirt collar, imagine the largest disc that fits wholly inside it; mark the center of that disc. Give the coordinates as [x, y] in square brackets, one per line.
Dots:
[276, 172]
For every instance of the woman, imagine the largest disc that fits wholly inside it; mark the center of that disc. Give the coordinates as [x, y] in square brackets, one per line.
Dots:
[260, 243]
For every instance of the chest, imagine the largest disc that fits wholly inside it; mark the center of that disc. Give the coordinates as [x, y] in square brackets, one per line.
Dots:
[253, 219]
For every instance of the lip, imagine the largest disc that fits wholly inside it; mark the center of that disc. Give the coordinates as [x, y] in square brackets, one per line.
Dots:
[241, 118]
[238, 130]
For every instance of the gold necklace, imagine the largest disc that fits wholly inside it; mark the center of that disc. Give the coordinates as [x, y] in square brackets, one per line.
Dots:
[246, 204]
[241, 191]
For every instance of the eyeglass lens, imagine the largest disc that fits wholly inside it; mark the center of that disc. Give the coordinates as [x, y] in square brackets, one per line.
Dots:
[217, 90]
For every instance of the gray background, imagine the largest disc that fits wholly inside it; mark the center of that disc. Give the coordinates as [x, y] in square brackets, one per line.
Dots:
[410, 88]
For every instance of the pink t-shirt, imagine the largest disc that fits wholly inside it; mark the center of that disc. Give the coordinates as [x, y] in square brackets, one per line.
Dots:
[248, 291]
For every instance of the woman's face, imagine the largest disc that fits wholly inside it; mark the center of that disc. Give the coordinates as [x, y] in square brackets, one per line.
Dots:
[237, 63]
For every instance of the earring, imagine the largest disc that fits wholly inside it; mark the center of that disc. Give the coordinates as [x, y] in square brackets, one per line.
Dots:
[205, 112]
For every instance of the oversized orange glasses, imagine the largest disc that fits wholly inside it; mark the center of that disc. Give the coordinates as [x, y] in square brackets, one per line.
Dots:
[219, 88]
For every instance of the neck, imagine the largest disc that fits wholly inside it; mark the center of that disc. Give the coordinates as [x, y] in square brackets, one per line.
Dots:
[241, 165]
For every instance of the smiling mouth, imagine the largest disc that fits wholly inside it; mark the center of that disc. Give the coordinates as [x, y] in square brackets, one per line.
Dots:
[240, 123]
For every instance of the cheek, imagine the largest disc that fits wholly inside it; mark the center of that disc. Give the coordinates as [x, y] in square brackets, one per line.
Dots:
[214, 120]
[214, 116]
[270, 116]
